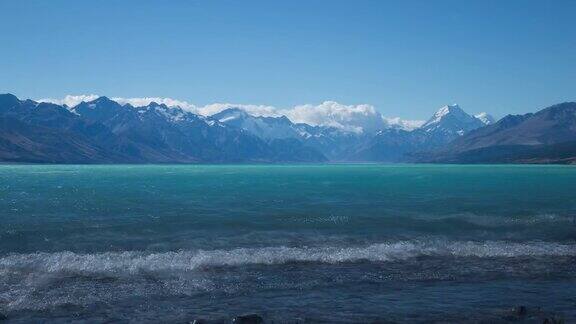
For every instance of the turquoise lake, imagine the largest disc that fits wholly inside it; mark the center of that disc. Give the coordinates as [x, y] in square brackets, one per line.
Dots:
[316, 243]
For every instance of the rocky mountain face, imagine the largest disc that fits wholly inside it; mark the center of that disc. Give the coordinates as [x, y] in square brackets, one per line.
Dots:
[104, 131]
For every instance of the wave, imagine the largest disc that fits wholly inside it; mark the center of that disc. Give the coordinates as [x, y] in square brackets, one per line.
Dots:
[539, 220]
[131, 262]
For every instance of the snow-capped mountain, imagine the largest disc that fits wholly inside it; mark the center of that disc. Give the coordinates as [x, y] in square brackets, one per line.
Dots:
[451, 120]
[447, 124]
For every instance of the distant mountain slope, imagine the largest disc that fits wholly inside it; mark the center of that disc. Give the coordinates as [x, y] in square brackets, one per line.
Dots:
[559, 153]
[21, 143]
[544, 136]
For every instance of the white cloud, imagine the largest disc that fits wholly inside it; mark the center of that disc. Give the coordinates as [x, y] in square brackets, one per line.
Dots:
[354, 118]
[404, 123]
[70, 100]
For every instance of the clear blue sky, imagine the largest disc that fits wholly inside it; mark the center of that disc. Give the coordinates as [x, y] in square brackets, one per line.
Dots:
[405, 57]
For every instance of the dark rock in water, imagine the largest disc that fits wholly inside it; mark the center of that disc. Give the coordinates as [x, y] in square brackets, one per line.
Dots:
[198, 321]
[521, 311]
[533, 315]
[518, 313]
[3, 317]
[554, 320]
[248, 319]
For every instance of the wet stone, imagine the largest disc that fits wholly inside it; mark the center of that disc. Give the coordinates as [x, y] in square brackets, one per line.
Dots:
[248, 319]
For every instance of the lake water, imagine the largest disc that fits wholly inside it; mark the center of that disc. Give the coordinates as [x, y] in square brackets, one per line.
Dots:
[315, 243]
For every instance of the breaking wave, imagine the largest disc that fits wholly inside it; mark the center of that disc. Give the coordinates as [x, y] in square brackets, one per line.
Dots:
[131, 262]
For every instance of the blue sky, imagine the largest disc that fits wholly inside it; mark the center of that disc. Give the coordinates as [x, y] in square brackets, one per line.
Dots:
[407, 58]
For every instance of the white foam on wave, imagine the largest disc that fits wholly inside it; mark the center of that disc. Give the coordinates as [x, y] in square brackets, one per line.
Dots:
[133, 262]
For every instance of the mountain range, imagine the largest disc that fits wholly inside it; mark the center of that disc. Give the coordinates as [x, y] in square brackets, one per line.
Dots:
[105, 131]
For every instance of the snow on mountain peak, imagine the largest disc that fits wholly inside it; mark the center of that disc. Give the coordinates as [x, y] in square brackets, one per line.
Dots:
[458, 114]
[485, 118]
[451, 119]
[260, 126]
[443, 112]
